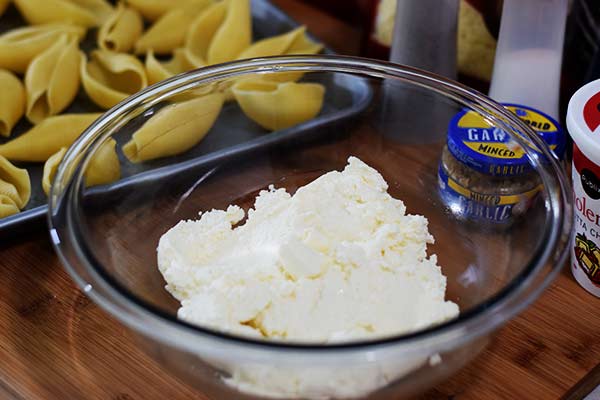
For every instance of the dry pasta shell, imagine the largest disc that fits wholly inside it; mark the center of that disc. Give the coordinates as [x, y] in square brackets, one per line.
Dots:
[168, 32]
[120, 32]
[277, 106]
[87, 13]
[181, 61]
[52, 80]
[203, 29]
[221, 32]
[7, 205]
[47, 137]
[102, 169]
[50, 167]
[293, 42]
[110, 77]
[19, 46]
[200, 91]
[3, 5]
[174, 129]
[154, 9]
[12, 101]
[15, 188]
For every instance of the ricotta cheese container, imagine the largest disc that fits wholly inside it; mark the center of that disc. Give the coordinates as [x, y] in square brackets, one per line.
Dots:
[583, 123]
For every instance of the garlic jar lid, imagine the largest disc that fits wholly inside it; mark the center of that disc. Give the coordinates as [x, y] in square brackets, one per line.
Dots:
[490, 150]
[583, 120]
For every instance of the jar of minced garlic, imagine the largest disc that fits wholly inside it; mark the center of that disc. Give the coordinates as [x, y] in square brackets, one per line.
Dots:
[484, 175]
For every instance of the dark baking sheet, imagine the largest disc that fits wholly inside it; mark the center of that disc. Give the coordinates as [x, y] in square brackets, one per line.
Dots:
[233, 133]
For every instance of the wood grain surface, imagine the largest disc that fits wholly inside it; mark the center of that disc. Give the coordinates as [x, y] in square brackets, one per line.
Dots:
[56, 344]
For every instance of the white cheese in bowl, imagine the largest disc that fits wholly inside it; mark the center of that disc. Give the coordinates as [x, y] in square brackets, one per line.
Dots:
[339, 260]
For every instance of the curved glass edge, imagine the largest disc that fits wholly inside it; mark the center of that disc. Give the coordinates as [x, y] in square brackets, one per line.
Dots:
[524, 289]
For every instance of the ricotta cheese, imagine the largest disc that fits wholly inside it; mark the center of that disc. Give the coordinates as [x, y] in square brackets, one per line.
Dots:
[339, 260]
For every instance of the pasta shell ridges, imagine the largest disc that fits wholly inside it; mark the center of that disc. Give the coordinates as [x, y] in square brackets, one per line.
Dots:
[174, 129]
[110, 77]
[120, 32]
[12, 101]
[52, 79]
[277, 106]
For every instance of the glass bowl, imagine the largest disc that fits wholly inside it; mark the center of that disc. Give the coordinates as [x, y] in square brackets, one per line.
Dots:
[395, 119]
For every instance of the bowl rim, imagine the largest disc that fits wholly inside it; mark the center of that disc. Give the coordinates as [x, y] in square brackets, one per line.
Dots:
[482, 318]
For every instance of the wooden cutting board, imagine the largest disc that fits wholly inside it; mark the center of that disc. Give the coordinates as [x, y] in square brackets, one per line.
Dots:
[55, 343]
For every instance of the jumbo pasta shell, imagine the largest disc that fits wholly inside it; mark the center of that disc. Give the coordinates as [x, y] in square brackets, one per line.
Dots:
[3, 5]
[50, 167]
[222, 32]
[203, 29]
[103, 168]
[303, 45]
[12, 101]
[293, 42]
[154, 9]
[87, 13]
[19, 46]
[110, 77]
[14, 183]
[181, 61]
[120, 32]
[155, 70]
[174, 129]
[7, 205]
[168, 33]
[277, 106]
[52, 80]
[234, 35]
[47, 137]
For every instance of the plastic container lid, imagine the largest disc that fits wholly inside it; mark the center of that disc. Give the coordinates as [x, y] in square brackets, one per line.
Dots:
[583, 120]
[492, 151]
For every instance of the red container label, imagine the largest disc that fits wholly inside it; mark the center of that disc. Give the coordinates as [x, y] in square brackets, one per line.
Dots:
[585, 253]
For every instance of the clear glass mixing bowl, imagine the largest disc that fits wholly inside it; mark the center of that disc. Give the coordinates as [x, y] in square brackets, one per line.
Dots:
[392, 117]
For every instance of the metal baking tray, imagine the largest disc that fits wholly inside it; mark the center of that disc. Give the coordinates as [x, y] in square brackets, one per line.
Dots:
[233, 133]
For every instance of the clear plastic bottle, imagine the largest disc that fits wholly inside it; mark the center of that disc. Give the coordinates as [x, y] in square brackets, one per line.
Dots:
[529, 54]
